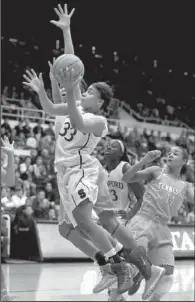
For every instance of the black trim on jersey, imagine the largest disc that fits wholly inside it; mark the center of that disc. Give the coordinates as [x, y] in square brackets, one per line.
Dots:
[74, 200]
[79, 151]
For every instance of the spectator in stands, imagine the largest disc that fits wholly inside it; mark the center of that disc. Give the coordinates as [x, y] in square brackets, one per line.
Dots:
[23, 218]
[26, 128]
[39, 172]
[7, 128]
[38, 129]
[41, 206]
[19, 127]
[49, 192]
[49, 131]
[18, 199]
[5, 196]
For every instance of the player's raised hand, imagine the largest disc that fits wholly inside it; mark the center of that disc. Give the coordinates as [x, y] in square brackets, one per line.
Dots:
[151, 156]
[33, 81]
[6, 146]
[50, 69]
[64, 17]
[67, 79]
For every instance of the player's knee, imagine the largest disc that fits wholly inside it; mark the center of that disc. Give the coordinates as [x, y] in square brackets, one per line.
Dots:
[169, 269]
[65, 229]
[108, 221]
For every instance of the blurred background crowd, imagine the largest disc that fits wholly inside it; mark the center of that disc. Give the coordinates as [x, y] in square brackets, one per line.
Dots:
[154, 86]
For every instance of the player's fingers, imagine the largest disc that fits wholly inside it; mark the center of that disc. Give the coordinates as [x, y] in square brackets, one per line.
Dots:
[13, 143]
[54, 22]
[41, 77]
[34, 73]
[65, 9]
[30, 74]
[72, 12]
[60, 9]
[54, 60]
[57, 12]
[27, 84]
[26, 78]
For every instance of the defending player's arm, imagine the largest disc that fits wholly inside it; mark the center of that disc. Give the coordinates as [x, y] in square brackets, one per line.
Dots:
[133, 173]
[56, 95]
[64, 24]
[37, 84]
[8, 173]
[190, 193]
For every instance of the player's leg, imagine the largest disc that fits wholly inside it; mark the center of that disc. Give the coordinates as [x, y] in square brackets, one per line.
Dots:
[81, 189]
[163, 256]
[142, 230]
[83, 217]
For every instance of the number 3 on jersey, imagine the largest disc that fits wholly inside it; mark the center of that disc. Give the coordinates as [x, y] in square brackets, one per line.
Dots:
[68, 132]
[113, 195]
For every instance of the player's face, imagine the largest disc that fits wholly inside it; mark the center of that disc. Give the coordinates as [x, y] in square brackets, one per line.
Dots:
[113, 150]
[91, 100]
[175, 158]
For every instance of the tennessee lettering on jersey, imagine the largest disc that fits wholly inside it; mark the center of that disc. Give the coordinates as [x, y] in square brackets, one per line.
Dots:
[163, 198]
[74, 147]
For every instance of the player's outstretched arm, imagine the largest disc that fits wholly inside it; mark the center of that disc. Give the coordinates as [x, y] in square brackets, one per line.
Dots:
[56, 96]
[64, 24]
[95, 124]
[8, 173]
[133, 173]
[36, 84]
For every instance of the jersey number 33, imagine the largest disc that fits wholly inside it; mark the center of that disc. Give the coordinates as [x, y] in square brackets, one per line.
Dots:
[68, 132]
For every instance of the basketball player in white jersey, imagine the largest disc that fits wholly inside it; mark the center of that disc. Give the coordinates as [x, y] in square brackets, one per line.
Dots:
[79, 174]
[127, 198]
[165, 192]
[8, 179]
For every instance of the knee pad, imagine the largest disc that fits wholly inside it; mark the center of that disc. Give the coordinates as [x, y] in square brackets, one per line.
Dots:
[163, 288]
[65, 229]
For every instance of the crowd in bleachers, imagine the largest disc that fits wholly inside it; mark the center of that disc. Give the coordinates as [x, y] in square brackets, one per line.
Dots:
[36, 188]
[126, 72]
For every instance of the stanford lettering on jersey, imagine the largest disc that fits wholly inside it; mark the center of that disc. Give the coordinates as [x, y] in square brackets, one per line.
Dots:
[115, 184]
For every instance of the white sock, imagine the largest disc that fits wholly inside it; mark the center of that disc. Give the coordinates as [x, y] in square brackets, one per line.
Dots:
[118, 247]
[163, 288]
[110, 253]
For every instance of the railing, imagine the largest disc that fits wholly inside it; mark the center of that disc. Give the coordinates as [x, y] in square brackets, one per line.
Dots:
[122, 104]
[156, 120]
[22, 113]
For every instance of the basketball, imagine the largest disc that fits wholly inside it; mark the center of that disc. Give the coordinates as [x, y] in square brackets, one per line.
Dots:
[71, 62]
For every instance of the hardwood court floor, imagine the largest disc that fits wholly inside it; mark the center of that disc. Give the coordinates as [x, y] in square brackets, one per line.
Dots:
[64, 282]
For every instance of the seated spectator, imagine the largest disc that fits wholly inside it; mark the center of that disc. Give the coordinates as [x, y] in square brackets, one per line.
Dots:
[23, 219]
[39, 129]
[49, 131]
[26, 127]
[5, 196]
[18, 199]
[6, 127]
[190, 219]
[19, 127]
[49, 192]
[39, 172]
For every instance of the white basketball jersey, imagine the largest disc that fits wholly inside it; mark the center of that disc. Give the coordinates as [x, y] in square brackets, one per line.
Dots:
[119, 191]
[59, 120]
[74, 147]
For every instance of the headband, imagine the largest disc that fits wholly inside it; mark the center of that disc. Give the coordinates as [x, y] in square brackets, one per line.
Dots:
[122, 145]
